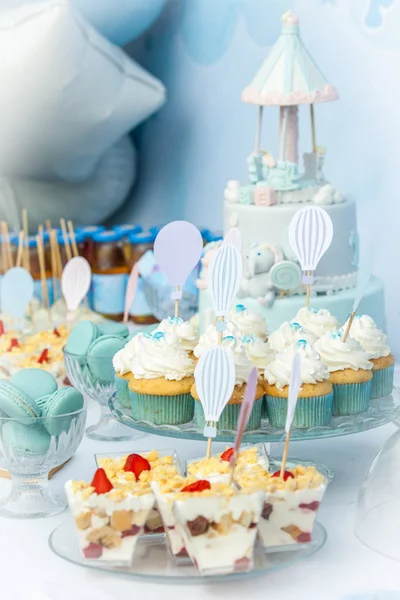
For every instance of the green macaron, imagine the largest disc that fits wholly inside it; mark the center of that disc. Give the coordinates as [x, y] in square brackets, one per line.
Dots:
[56, 409]
[17, 404]
[113, 328]
[100, 355]
[35, 383]
[81, 338]
[25, 440]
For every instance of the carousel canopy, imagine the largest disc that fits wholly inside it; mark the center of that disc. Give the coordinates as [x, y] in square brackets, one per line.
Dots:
[289, 75]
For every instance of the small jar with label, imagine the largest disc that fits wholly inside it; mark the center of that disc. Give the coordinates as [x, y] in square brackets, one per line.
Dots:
[86, 242]
[110, 275]
[140, 311]
[127, 230]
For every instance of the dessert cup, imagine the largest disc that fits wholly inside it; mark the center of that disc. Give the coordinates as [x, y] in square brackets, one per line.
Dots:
[107, 429]
[29, 453]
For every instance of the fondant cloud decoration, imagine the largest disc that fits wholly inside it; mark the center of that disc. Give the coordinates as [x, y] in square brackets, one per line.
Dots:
[88, 202]
[68, 94]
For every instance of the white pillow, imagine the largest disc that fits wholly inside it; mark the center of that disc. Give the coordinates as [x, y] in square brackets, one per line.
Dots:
[66, 93]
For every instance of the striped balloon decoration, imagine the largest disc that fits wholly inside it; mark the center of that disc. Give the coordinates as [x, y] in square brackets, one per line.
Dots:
[233, 238]
[224, 276]
[310, 235]
[215, 379]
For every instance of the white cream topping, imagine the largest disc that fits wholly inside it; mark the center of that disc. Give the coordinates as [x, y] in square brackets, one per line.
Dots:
[160, 355]
[313, 369]
[185, 331]
[122, 359]
[258, 351]
[248, 321]
[287, 334]
[372, 339]
[315, 321]
[232, 344]
[210, 338]
[339, 355]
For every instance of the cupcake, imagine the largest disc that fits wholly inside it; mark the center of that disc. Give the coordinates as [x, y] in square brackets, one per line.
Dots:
[316, 322]
[314, 406]
[160, 382]
[210, 338]
[261, 355]
[230, 414]
[248, 322]
[374, 342]
[185, 331]
[289, 333]
[350, 372]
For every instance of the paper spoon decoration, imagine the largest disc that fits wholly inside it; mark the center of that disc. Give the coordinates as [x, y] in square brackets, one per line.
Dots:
[224, 276]
[215, 379]
[310, 235]
[16, 292]
[233, 238]
[75, 283]
[363, 279]
[177, 250]
[293, 394]
[244, 416]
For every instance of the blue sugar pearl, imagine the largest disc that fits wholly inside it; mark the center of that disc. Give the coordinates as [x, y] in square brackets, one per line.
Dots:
[147, 335]
[158, 335]
[240, 308]
[246, 339]
[301, 343]
[314, 311]
[229, 337]
[337, 335]
[295, 326]
[178, 320]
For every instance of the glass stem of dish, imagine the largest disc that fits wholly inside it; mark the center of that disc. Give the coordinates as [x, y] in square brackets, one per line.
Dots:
[31, 497]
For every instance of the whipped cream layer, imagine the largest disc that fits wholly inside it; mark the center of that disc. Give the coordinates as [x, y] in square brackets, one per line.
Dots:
[289, 333]
[258, 351]
[122, 359]
[185, 331]
[367, 334]
[313, 370]
[216, 469]
[243, 365]
[339, 355]
[210, 338]
[248, 321]
[316, 322]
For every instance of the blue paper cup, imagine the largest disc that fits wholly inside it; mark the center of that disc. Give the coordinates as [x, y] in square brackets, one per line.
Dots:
[229, 416]
[351, 398]
[310, 412]
[122, 387]
[162, 410]
[264, 409]
[382, 382]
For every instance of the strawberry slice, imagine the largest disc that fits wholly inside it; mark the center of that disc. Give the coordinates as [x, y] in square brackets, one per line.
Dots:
[2, 330]
[136, 464]
[44, 357]
[14, 343]
[227, 455]
[286, 475]
[56, 332]
[101, 483]
[197, 486]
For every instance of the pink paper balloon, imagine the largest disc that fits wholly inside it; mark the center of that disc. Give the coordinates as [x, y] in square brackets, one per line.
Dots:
[177, 250]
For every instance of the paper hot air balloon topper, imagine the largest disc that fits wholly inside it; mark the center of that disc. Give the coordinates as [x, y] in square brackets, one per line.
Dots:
[224, 277]
[16, 292]
[233, 238]
[293, 394]
[215, 379]
[363, 279]
[177, 250]
[75, 283]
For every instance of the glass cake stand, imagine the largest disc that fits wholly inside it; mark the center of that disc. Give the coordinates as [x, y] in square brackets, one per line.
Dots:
[151, 561]
[382, 411]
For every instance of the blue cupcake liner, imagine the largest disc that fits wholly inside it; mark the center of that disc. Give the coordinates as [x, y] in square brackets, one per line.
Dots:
[382, 382]
[229, 416]
[351, 398]
[122, 388]
[264, 408]
[162, 410]
[310, 412]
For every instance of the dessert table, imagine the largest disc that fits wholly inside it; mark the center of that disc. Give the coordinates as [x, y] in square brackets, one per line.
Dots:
[342, 569]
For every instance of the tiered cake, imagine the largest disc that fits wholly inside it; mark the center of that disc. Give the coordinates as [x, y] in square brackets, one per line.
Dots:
[263, 208]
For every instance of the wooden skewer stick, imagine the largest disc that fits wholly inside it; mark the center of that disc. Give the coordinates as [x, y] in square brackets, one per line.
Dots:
[285, 454]
[40, 250]
[66, 239]
[349, 324]
[73, 239]
[4, 256]
[53, 263]
[25, 228]
[48, 226]
[20, 248]
[8, 246]
[313, 135]
[177, 303]
[308, 290]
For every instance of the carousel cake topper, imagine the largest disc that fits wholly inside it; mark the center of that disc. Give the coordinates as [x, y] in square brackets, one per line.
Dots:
[215, 379]
[293, 394]
[224, 277]
[177, 249]
[16, 292]
[310, 235]
[363, 279]
[75, 283]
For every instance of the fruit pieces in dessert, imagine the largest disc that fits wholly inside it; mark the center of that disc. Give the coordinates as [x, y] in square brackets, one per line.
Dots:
[290, 503]
[217, 468]
[218, 525]
[109, 518]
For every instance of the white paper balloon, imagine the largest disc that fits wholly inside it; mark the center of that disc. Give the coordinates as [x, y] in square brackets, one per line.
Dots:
[75, 282]
[224, 276]
[69, 92]
[233, 238]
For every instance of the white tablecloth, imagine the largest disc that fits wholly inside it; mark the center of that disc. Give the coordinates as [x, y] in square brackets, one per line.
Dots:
[30, 571]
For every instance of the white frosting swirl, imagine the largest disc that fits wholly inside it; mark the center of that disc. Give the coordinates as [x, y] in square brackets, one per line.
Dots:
[258, 352]
[210, 338]
[339, 355]
[185, 331]
[122, 359]
[367, 334]
[287, 334]
[248, 321]
[313, 369]
[160, 355]
[317, 322]
[243, 365]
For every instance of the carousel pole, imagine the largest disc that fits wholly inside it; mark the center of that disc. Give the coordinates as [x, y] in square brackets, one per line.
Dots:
[284, 117]
[313, 135]
[258, 134]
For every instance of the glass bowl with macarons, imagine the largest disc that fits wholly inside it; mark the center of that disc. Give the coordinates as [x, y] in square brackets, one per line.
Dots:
[41, 426]
[88, 356]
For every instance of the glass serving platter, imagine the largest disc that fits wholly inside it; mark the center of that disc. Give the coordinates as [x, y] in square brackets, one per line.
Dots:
[381, 411]
[152, 563]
